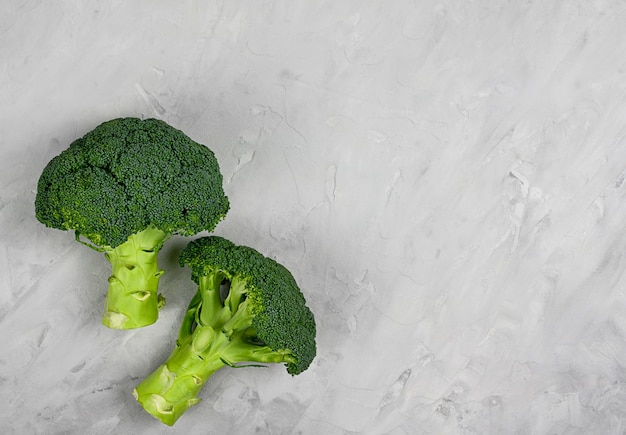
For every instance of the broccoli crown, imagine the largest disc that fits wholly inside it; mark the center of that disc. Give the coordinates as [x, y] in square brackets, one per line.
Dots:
[128, 174]
[281, 319]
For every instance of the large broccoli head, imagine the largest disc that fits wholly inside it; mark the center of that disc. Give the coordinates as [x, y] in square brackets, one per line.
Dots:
[127, 175]
[127, 186]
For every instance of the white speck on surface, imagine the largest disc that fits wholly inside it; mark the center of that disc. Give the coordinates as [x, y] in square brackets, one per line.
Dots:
[445, 180]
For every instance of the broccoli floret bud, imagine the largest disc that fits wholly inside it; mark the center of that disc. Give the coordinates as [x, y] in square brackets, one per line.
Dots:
[127, 186]
[248, 310]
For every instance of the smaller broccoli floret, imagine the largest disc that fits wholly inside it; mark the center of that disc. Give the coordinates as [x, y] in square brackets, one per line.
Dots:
[127, 186]
[248, 311]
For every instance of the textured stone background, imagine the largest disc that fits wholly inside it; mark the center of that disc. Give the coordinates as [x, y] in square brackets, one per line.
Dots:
[445, 179]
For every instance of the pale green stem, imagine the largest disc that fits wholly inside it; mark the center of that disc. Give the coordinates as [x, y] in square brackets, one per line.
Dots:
[132, 300]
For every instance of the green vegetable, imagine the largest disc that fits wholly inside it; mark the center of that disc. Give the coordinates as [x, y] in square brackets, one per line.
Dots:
[127, 186]
[248, 310]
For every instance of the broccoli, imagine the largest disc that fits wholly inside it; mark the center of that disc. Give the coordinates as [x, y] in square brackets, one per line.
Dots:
[247, 311]
[127, 186]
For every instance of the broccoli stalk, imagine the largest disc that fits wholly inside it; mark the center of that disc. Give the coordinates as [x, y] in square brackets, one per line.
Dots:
[127, 186]
[132, 300]
[247, 311]
[213, 335]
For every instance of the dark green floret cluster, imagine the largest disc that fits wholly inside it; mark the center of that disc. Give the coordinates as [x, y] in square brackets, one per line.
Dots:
[276, 307]
[127, 175]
